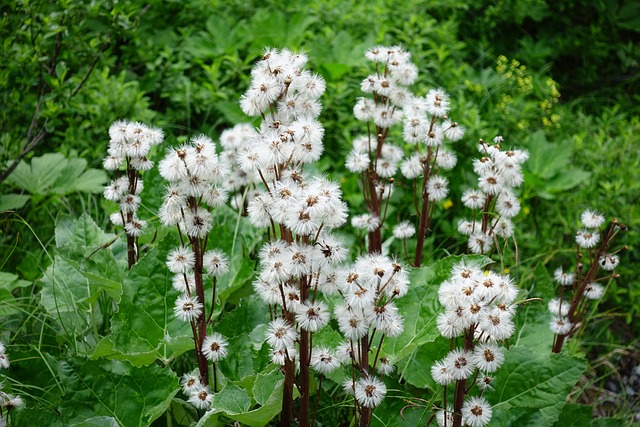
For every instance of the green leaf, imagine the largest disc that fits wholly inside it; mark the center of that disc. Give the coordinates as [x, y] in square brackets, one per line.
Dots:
[183, 413]
[533, 318]
[10, 281]
[231, 400]
[144, 328]
[97, 422]
[566, 180]
[265, 384]
[231, 111]
[9, 202]
[241, 266]
[546, 159]
[52, 173]
[76, 177]
[113, 389]
[574, 415]
[38, 177]
[531, 388]
[8, 304]
[65, 296]
[235, 403]
[416, 369]
[79, 273]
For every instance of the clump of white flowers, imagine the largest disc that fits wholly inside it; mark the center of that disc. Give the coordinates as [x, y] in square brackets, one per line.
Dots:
[373, 156]
[584, 284]
[297, 210]
[234, 141]
[494, 201]
[369, 289]
[479, 308]
[196, 179]
[129, 146]
[425, 125]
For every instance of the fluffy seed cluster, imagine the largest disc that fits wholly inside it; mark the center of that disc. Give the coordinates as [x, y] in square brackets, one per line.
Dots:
[425, 125]
[584, 286]
[298, 209]
[286, 96]
[129, 146]
[234, 141]
[479, 308]
[195, 177]
[499, 173]
[369, 288]
[196, 185]
[194, 172]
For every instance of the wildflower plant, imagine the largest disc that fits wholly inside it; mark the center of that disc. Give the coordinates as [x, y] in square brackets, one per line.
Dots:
[367, 314]
[195, 177]
[299, 212]
[129, 146]
[595, 263]
[478, 317]
[426, 128]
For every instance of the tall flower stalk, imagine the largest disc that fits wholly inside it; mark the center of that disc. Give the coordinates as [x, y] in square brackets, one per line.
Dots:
[479, 307]
[195, 175]
[372, 156]
[129, 147]
[298, 212]
[584, 284]
[426, 127]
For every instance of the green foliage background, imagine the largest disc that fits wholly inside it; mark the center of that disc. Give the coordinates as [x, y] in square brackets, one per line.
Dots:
[561, 79]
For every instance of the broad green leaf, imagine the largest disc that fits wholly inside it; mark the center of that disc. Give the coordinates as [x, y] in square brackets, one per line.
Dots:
[88, 247]
[81, 270]
[9, 202]
[37, 417]
[241, 267]
[231, 400]
[80, 236]
[334, 71]
[245, 361]
[10, 281]
[144, 328]
[132, 396]
[265, 383]
[53, 173]
[97, 422]
[533, 318]
[75, 177]
[566, 180]
[547, 159]
[531, 388]
[90, 181]
[575, 416]
[39, 176]
[183, 413]
[416, 369]
[235, 403]
[231, 111]
[65, 296]
[8, 304]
